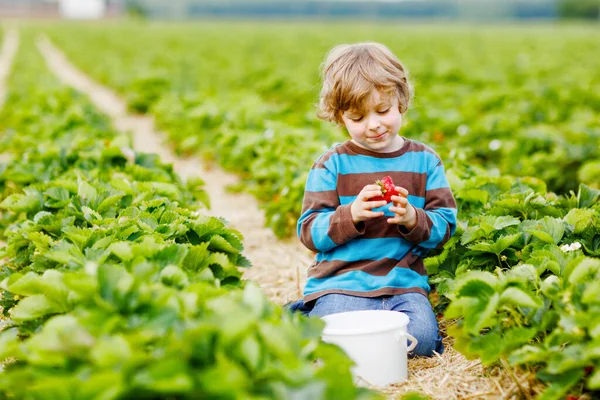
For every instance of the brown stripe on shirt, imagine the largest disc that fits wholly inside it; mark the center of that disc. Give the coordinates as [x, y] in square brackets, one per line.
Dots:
[379, 228]
[352, 184]
[387, 291]
[381, 267]
[320, 200]
[439, 198]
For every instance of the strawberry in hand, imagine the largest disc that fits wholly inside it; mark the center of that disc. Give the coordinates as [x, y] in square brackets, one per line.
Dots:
[387, 188]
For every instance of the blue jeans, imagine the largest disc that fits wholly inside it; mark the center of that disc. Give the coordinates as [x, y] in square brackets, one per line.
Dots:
[423, 324]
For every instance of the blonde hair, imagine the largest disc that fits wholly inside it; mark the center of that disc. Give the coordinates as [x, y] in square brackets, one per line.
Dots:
[352, 72]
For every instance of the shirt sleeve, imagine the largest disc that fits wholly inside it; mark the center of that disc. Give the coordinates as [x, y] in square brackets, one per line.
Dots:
[436, 222]
[324, 223]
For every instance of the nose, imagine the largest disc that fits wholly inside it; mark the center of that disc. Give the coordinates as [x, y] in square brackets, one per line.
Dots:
[374, 122]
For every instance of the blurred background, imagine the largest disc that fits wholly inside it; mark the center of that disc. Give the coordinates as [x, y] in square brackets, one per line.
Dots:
[422, 9]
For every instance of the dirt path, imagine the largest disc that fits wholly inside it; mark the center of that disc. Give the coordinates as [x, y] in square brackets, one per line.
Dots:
[10, 45]
[279, 267]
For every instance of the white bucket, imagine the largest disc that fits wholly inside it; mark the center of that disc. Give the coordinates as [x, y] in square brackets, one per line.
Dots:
[376, 340]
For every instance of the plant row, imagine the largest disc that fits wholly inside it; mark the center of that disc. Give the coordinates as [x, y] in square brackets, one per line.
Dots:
[114, 285]
[521, 278]
[215, 91]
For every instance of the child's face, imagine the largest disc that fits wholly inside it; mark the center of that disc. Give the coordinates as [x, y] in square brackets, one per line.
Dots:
[376, 128]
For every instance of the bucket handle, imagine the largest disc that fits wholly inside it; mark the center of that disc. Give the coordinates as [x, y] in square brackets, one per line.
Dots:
[406, 335]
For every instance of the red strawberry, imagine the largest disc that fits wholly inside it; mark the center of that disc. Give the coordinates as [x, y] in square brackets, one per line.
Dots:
[387, 188]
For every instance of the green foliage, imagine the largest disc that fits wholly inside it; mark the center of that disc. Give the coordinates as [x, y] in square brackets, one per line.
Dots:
[588, 9]
[252, 109]
[115, 285]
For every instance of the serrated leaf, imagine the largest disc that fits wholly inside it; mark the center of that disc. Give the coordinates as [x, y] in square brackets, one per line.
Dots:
[90, 215]
[123, 250]
[173, 254]
[30, 201]
[219, 243]
[174, 276]
[584, 270]
[549, 230]
[581, 219]
[57, 197]
[86, 191]
[586, 196]
[34, 307]
[518, 297]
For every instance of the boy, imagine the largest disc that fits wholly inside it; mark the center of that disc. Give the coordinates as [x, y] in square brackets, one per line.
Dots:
[369, 252]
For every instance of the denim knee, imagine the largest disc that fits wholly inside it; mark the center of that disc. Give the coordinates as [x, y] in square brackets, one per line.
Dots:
[428, 339]
[423, 323]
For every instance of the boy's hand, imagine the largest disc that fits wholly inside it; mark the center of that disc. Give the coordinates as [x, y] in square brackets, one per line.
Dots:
[405, 212]
[361, 207]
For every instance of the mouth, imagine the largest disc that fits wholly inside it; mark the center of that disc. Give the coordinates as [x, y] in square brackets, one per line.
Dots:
[379, 137]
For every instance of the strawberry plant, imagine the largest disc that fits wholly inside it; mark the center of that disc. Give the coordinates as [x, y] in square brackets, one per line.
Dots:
[115, 285]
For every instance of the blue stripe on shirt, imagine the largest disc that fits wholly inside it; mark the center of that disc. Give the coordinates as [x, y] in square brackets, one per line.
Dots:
[368, 249]
[437, 179]
[416, 201]
[320, 180]
[440, 218]
[319, 231]
[417, 162]
[360, 281]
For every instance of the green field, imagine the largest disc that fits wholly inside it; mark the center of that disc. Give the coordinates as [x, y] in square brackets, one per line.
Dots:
[513, 111]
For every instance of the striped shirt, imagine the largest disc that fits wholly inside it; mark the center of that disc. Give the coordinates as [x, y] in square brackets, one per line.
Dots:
[373, 258]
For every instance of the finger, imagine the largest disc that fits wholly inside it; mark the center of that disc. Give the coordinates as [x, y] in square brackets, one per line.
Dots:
[393, 221]
[371, 193]
[399, 200]
[398, 210]
[373, 214]
[402, 191]
[374, 204]
[371, 188]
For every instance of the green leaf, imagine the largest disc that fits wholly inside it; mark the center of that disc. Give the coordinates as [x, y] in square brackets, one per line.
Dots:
[586, 269]
[528, 355]
[108, 202]
[90, 215]
[86, 191]
[57, 197]
[517, 297]
[593, 382]
[581, 219]
[123, 250]
[34, 307]
[218, 243]
[549, 230]
[66, 253]
[31, 201]
[254, 297]
[560, 385]
[250, 352]
[173, 254]
[480, 315]
[586, 196]
[102, 385]
[171, 275]
[110, 351]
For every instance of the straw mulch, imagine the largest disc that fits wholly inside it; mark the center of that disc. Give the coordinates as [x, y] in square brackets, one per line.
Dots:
[452, 376]
[446, 376]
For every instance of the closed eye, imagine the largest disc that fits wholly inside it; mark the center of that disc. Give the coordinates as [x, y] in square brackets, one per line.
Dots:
[383, 112]
[358, 119]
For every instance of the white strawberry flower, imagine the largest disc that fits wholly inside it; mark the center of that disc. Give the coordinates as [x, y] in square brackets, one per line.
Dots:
[570, 247]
